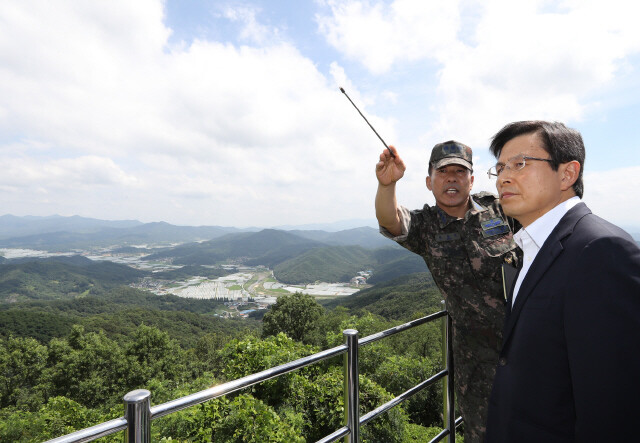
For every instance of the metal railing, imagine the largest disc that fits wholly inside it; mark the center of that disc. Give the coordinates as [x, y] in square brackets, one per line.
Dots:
[138, 410]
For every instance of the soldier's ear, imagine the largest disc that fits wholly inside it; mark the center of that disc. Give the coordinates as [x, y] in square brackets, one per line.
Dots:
[471, 182]
[429, 183]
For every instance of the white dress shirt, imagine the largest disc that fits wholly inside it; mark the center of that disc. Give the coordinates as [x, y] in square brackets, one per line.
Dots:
[531, 238]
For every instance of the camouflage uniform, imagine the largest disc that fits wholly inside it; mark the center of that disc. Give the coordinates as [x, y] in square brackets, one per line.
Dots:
[465, 257]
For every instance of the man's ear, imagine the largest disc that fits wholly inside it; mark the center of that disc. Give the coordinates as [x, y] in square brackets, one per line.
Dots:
[570, 172]
[471, 182]
[429, 183]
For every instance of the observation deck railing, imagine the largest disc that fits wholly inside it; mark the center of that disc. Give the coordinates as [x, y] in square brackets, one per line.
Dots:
[138, 411]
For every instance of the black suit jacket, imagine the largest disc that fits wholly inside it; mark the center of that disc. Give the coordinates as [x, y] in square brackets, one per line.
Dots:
[569, 368]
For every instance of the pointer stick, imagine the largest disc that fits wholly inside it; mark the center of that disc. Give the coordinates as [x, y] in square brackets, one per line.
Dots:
[365, 119]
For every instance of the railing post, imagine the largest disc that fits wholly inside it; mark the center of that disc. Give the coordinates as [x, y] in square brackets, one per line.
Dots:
[445, 392]
[449, 381]
[351, 389]
[137, 411]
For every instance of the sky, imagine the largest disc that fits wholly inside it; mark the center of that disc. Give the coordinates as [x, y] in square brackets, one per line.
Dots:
[229, 113]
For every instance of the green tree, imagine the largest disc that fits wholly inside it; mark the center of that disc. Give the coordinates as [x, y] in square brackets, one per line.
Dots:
[314, 392]
[22, 361]
[398, 362]
[398, 373]
[155, 355]
[320, 399]
[59, 416]
[294, 314]
[206, 352]
[244, 357]
[245, 419]
[329, 322]
[88, 368]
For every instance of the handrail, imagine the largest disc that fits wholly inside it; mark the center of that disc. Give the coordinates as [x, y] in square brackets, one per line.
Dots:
[138, 414]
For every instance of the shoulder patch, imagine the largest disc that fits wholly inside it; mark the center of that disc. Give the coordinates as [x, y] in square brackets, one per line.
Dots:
[502, 229]
[494, 222]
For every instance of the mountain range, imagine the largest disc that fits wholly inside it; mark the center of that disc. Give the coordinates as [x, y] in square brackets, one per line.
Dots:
[62, 234]
[297, 260]
[296, 256]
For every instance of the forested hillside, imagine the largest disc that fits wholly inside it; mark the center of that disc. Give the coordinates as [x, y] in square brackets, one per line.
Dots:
[398, 299]
[266, 247]
[74, 338]
[61, 278]
[330, 264]
[117, 313]
[364, 236]
[341, 263]
[65, 364]
[49, 388]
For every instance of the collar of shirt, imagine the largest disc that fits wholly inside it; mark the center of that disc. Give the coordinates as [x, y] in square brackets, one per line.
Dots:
[540, 229]
[476, 206]
[531, 238]
[445, 218]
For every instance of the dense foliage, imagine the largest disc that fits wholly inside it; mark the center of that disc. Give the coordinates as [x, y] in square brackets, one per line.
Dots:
[330, 264]
[297, 259]
[118, 313]
[295, 314]
[265, 247]
[74, 340]
[399, 299]
[64, 277]
[341, 263]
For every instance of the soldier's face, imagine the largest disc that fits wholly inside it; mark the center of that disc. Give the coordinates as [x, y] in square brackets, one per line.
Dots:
[451, 186]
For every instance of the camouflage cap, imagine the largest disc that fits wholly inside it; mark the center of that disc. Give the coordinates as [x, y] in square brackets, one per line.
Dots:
[451, 153]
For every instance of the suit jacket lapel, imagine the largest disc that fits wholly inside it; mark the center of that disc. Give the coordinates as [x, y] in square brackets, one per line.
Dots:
[551, 249]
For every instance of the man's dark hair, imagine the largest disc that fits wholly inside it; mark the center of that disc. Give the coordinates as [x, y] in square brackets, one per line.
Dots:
[561, 143]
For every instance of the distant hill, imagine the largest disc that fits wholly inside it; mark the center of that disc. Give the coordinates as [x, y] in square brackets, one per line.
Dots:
[299, 256]
[13, 226]
[268, 247]
[331, 227]
[398, 299]
[341, 263]
[409, 264]
[366, 237]
[61, 278]
[62, 234]
[67, 238]
[328, 264]
[118, 312]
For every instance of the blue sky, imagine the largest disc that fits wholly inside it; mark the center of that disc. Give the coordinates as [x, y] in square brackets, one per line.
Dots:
[228, 112]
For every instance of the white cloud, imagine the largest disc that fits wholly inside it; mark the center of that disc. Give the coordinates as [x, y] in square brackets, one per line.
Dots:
[98, 101]
[379, 35]
[67, 175]
[613, 194]
[499, 60]
[101, 116]
[252, 30]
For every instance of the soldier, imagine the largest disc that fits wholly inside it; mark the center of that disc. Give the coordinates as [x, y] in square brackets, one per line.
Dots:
[463, 239]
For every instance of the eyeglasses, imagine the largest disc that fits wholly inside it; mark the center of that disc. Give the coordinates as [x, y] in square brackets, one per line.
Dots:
[514, 163]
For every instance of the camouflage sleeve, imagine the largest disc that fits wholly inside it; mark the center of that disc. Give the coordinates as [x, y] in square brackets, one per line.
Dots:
[405, 220]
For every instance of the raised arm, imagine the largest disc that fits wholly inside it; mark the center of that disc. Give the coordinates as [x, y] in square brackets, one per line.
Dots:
[388, 171]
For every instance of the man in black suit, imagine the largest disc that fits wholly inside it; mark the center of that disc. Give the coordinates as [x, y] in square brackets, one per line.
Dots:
[569, 368]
